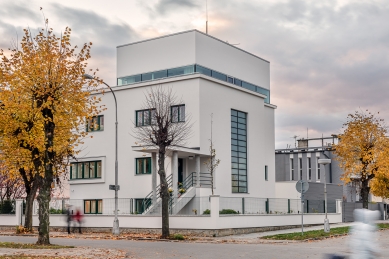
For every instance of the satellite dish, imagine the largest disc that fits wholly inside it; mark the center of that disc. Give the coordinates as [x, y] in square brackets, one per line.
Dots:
[302, 186]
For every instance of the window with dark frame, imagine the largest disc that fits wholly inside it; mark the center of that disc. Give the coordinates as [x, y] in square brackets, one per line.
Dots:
[266, 176]
[95, 123]
[239, 151]
[85, 170]
[177, 113]
[291, 169]
[145, 117]
[143, 165]
[93, 206]
[309, 169]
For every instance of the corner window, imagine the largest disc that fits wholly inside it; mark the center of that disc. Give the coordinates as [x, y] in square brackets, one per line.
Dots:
[96, 123]
[85, 170]
[143, 165]
[266, 176]
[145, 117]
[93, 206]
[178, 113]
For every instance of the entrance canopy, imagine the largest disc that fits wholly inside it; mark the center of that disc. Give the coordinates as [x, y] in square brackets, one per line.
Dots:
[181, 151]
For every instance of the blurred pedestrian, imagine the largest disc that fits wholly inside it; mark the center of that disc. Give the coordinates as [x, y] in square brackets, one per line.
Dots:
[78, 219]
[363, 240]
[68, 217]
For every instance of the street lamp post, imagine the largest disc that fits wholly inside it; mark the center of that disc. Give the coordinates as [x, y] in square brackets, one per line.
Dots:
[115, 229]
[326, 221]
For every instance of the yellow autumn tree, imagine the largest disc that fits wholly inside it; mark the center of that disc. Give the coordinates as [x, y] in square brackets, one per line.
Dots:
[360, 152]
[44, 103]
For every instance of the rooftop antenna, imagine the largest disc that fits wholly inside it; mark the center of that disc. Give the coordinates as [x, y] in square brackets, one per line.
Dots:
[206, 16]
[295, 138]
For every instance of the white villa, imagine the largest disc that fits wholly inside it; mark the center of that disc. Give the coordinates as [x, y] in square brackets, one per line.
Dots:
[212, 77]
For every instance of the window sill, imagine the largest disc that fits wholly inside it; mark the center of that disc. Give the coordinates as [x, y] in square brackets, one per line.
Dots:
[86, 181]
[142, 174]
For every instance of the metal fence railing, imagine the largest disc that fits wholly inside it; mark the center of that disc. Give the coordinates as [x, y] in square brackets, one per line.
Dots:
[249, 205]
[190, 206]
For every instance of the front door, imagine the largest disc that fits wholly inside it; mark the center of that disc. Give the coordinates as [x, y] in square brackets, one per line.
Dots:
[180, 170]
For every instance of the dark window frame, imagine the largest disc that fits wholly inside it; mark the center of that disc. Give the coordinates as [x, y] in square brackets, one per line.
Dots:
[292, 169]
[136, 165]
[100, 124]
[239, 170]
[149, 114]
[179, 117]
[266, 173]
[96, 208]
[83, 170]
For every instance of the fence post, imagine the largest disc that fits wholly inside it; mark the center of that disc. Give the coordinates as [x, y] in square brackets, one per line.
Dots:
[19, 212]
[215, 200]
[324, 206]
[307, 206]
[267, 206]
[288, 205]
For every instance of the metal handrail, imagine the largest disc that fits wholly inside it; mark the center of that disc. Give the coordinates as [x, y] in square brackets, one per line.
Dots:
[186, 184]
[148, 200]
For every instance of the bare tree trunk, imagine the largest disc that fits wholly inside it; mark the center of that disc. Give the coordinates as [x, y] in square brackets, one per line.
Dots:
[164, 194]
[29, 207]
[365, 190]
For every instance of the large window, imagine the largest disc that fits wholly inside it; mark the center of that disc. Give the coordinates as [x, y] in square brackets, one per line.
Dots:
[239, 151]
[93, 206]
[143, 165]
[178, 113]
[145, 117]
[85, 170]
[291, 170]
[96, 123]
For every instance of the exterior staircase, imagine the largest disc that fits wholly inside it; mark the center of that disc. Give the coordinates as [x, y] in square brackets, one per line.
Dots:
[175, 203]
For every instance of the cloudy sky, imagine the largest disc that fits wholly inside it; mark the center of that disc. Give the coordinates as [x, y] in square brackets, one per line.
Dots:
[328, 58]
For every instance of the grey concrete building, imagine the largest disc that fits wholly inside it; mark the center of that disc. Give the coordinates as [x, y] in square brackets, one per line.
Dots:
[301, 163]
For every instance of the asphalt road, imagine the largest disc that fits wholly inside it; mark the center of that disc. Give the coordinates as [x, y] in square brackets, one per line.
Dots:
[149, 249]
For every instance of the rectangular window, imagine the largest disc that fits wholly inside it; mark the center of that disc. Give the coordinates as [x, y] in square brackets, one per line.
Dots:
[318, 169]
[309, 169]
[219, 76]
[178, 113]
[249, 86]
[237, 82]
[143, 165]
[129, 80]
[266, 176]
[145, 117]
[139, 206]
[96, 123]
[239, 151]
[93, 206]
[301, 168]
[180, 71]
[85, 170]
[291, 169]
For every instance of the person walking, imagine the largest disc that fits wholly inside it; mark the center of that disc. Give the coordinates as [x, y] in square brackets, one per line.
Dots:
[78, 219]
[68, 217]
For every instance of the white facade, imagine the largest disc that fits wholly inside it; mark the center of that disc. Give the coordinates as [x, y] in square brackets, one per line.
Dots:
[202, 95]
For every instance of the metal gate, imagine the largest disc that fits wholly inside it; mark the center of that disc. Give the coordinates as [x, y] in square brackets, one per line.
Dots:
[349, 207]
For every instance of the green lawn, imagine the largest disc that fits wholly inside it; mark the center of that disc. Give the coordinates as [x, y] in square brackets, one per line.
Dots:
[317, 233]
[30, 246]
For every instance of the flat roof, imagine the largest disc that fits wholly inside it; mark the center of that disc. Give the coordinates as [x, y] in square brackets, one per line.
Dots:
[194, 30]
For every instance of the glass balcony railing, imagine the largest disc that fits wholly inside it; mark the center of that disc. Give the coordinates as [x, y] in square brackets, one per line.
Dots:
[191, 69]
